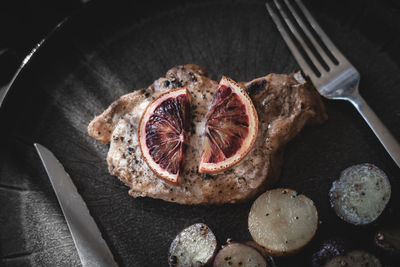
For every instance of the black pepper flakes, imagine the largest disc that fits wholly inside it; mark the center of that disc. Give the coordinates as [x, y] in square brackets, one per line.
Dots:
[203, 230]
[130, 148]
[176, 84]
[206, 176]
[192, 77]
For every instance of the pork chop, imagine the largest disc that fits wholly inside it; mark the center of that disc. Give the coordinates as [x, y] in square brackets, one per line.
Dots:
[285, 104]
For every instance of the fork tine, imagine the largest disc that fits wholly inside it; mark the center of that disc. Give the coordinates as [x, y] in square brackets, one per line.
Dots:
[292, 47]
[324, 38]
[303, 26]
[299, 38]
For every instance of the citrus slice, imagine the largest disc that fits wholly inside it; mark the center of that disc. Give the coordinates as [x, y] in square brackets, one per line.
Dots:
[230, 130]
[163, 134]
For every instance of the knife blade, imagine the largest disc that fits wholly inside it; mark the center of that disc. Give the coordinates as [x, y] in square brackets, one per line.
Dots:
[91, 247]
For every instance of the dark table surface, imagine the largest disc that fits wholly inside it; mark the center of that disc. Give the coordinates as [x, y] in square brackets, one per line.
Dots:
[22, 25]
[25, 23]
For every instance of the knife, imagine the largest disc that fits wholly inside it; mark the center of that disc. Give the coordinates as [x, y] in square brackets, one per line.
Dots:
[91, 247]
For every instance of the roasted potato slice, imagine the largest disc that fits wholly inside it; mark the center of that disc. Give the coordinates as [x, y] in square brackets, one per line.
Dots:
[263, 252]
[361, 194]
[328, 250]
[282, 221]
[355, 258]
[196, 245]
[388, 240]
[239, 255]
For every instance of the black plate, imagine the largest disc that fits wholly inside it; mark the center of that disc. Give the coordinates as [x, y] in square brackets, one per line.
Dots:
[109, 50]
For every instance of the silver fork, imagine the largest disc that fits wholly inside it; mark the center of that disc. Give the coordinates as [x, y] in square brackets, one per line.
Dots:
[341, 80]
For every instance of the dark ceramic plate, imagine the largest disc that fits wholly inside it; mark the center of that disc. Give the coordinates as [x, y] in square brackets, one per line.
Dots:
[108, 50]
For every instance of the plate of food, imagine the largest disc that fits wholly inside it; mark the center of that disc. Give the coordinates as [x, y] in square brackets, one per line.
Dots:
[194, 138]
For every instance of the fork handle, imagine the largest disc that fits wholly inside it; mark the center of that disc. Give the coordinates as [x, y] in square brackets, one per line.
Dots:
[380, 130]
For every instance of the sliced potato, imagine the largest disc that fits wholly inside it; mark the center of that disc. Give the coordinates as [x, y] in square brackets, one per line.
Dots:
[239, 255]
[388, 240]
[361, 194]
[282, 221]
[196, 245]
[257, 247]
[328, 250]
[263, 252]
[355, 258]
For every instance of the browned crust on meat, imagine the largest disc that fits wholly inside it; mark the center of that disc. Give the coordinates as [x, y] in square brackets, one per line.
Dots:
[101, 127]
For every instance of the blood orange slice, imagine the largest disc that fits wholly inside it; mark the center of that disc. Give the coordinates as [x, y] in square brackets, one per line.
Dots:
[163, 133]
[231, 128]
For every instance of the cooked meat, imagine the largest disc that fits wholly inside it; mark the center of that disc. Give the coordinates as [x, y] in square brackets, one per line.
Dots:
[285, 104]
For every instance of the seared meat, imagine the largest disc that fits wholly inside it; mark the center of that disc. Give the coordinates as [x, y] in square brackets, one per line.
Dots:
[285, 104]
